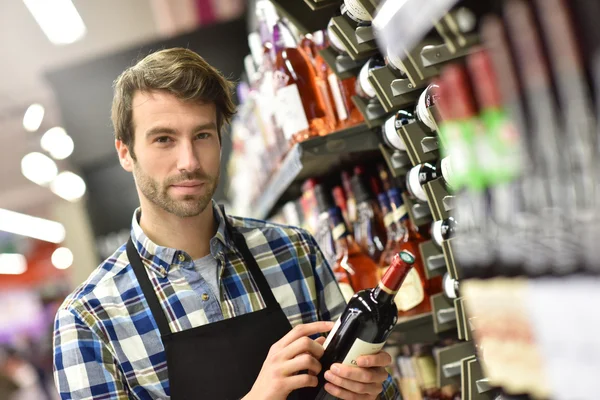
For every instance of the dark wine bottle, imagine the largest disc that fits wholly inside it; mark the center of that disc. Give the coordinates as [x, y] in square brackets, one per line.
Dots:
[366, 323]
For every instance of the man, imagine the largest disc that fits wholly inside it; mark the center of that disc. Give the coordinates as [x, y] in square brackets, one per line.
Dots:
[198, 304]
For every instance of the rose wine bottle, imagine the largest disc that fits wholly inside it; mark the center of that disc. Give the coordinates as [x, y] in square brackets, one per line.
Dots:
[366, 323]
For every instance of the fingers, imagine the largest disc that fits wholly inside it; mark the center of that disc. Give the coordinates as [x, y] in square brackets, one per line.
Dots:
[381, 359]
[344, 394]
[321, 340]
[358, 374]
[300, 381]
[304, 330]
[353, 386]
[302, 345]
[301, 363]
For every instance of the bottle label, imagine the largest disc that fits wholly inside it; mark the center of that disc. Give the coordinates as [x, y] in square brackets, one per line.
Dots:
[446, 166]
[361, 348]
[400, 213]
[339, 231]
[357, 10]
[363, 78]
[346, 290]
[290, 111]
[415, 186]
[332, 333]
[411, 293]
[391, 134]
[388, 219]
[340, 107]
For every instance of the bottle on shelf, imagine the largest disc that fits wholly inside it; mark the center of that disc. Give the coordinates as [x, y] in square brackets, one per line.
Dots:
[391, 246]
[340, 200]
[413, 298]
[334, 40]
[300, 107]
[363, 86]
[443, 230]
[424, 173]
[351, 205]
[391, 127]
[371, 228]
[366, 323]
[356, 12]
[323, 233]
[428, 98]
[451, 287]
[354, 270]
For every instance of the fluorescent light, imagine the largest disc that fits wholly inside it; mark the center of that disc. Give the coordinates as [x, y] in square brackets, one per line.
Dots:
[12, 264]
[57, 142]
[68, 186]
[62, 258]
[33, 117]
[38, 168]
[59, 20]
[26, 225]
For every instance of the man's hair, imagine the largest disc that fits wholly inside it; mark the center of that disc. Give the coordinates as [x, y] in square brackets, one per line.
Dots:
[178, 71]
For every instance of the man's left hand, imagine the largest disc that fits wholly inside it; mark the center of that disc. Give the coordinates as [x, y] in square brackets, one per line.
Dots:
[363, 382]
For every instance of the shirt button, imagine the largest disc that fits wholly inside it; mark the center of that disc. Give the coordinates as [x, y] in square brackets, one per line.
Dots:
[205, 297]
[181, 257]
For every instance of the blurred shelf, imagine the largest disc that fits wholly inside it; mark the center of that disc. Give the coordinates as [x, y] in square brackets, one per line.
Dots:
[313, 158]
[417, 329]
[342, 65]
[307, 18]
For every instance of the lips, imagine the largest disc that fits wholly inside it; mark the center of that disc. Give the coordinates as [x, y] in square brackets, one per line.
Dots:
[188, 184]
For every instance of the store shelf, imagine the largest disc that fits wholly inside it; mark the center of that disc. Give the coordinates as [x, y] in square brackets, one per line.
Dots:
[313, 158]
[342, 65]
[397, 161]
[371, 110]
[358, 41]
[319, 4]
[413, 330]
[433, 258]
[305, 18]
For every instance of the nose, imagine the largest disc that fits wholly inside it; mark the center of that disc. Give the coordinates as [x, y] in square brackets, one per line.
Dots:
[187, 158]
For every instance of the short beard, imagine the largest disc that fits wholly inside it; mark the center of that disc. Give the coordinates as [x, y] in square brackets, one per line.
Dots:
[188, 206]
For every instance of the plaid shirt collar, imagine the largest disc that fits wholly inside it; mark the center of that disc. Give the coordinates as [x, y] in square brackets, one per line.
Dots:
[160, 258]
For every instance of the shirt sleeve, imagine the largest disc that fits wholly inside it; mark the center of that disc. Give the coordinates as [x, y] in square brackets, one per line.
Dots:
[330, 301]
[390, 390]
[84, 368]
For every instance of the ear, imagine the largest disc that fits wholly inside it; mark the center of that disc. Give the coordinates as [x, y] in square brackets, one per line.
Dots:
[124, 155]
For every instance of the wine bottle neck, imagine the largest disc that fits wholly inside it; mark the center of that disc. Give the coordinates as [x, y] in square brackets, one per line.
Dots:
[381, 296]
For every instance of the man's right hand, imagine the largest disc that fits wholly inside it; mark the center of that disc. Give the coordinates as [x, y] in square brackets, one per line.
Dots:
[293, 353]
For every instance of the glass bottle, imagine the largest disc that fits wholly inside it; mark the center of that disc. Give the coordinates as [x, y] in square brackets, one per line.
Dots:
[354, 270]
[370, 218]
[300, 107]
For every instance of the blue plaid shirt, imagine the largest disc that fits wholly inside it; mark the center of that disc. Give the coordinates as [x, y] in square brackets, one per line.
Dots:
[107, 344]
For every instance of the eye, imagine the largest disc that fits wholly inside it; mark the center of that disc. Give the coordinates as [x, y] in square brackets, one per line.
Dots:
[163, 139]
[203, 135]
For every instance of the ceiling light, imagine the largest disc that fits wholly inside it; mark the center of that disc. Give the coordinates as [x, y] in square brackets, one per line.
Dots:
[12, 264]
[38, 168]
[59, 20]
[26, 225]
[57, 142]
[33, 117]
[68, 186]
[62, 258]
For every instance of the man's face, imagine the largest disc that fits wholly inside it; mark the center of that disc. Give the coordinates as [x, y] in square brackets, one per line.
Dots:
[177, 152]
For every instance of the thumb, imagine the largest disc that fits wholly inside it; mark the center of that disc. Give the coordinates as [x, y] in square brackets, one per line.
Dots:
[321, 340]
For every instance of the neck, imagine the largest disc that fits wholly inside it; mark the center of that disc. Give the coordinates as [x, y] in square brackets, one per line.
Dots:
[191, 234]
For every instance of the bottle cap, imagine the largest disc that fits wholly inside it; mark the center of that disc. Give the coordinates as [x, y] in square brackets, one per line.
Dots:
[413, 184]
[391, 135]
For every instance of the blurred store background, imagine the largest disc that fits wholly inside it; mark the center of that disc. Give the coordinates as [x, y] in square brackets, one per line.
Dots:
[65, 203]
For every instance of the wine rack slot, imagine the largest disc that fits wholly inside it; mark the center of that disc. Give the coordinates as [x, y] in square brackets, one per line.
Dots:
[372, 111]
[397, 162]
[448, 361]
[342, 65]
[419, 213]
[413, 135]
[433, 259]
[345, 29]
[440, 201]
[444, 314]
[320, 4]
[381, 79]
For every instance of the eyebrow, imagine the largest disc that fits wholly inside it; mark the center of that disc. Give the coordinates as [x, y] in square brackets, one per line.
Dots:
[161, 130]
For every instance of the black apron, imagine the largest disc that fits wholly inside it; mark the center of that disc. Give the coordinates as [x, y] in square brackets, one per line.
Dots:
[219, 360]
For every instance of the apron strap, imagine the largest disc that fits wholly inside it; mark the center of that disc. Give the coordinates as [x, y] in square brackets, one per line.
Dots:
[147, 289]
[252, 265]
